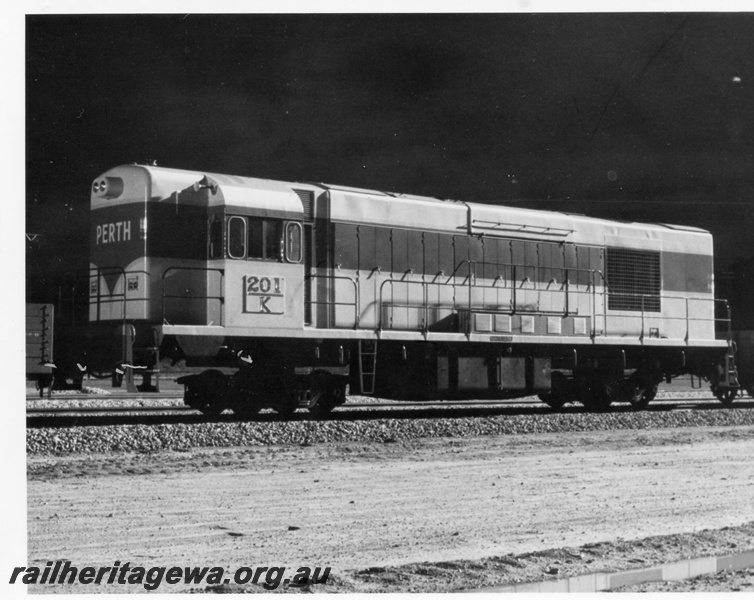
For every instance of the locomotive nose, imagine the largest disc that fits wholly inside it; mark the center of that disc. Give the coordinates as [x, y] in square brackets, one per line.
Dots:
[107, 187]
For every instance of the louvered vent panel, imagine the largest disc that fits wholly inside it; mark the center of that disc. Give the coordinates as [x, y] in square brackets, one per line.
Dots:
[634, 280]
[307, 199]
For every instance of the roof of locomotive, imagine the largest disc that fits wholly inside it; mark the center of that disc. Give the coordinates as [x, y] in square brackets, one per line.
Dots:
[362, 206]
[163, 183]
[491, 220]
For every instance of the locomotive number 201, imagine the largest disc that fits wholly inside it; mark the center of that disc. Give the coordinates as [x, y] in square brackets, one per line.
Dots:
[263, 285]
[264, 295]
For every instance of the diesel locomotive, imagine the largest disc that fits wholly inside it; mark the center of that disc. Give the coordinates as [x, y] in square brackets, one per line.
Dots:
[290, 292]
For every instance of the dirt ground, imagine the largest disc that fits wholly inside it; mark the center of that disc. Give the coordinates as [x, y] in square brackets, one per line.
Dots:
[371, 512]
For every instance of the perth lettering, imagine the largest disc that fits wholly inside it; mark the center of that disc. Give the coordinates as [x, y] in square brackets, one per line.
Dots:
[150, 578]
[107, 233]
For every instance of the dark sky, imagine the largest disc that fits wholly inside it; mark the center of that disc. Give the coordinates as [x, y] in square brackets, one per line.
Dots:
[643, 117]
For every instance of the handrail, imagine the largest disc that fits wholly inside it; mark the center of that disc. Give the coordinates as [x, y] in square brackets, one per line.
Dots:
[503, 277]
[354, 304]
[425, 307]
[644, 314]
[727, 320]
[514, 268]
[521, 228]
[510, 278]
[207, 269]
[98, 272]
[509, 274]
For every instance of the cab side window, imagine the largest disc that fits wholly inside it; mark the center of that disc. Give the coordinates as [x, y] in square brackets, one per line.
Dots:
[257, 238]
[237, 237]
[273, 240]
[293, 235]
[265, 239]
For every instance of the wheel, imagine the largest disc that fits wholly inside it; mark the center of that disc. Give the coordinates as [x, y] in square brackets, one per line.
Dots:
[245, 398]
[285, 396]
[553, 401]
[650, 393]
[205, 392]
[639, 395]
[725, 395]
[322, 408]
[246, 410]
[338, 393]
[331, 393]
[211, 410]
[596, 394]
[638, 398]
[192, 397]
[286, 404]
[67, 381]
[557, 398]
[334, 395]
[601, 403]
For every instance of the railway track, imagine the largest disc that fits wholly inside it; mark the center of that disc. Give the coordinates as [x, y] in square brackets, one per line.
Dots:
[63, 416]
[348, 406]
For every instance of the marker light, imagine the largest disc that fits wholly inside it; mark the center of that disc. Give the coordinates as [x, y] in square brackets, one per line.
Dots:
[107, 187]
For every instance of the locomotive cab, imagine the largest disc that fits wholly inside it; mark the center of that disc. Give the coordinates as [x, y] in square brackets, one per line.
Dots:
[193, 256]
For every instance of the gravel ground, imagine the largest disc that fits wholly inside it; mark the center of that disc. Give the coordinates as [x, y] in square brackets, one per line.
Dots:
[77, 442]
[559, 563]
[102, 401]
[473, 512]
[182, 436]
[501, 571]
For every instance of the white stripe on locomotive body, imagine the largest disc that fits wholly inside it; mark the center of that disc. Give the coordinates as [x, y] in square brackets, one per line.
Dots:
[686, 318]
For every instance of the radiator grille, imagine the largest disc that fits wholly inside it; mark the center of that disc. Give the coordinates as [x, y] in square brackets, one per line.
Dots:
[307, 199]
[634, 280]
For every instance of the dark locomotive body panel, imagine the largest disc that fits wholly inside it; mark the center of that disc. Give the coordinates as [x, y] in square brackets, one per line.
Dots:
[309, 287]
